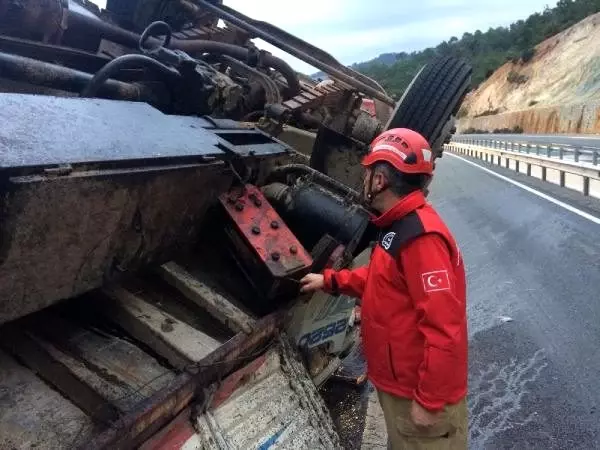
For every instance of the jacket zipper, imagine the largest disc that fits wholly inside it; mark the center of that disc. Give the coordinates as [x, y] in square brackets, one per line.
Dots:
[391, 361]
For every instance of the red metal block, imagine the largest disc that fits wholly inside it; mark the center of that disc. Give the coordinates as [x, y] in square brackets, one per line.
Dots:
[263, 230]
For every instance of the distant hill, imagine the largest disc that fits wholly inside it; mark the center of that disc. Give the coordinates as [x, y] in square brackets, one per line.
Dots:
[487, 51]
[386, 59]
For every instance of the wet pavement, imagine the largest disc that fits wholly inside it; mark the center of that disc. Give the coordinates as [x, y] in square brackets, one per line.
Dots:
[348, 405]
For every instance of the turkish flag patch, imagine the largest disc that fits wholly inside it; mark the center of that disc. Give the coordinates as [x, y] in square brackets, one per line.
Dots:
[436, 281]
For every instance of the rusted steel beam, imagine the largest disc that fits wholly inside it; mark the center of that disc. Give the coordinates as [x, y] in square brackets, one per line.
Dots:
[174, 435]
[133, 429]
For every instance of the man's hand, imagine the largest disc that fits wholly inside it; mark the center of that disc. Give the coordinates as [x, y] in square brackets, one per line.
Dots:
[423, 418]
[312, 282]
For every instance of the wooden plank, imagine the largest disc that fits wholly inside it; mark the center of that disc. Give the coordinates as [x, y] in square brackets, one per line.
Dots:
[26, 348]
[171, 338]
[119, 370]
[139, 425]
[205, 297]
[33, 415]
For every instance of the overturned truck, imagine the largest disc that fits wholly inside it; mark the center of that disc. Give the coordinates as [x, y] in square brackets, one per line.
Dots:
[165, 184]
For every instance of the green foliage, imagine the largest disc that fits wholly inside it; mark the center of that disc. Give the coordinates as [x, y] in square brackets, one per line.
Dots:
[487, 51]
[514, 130]
[489, 112]
[462, 112]
[527, 55]
[516, 78]
[472, 130]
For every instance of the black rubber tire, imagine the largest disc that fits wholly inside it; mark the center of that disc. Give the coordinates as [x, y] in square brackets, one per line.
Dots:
[433, 98]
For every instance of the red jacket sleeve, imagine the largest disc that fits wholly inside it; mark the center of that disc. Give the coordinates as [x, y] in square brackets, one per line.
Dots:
[348, 282]
[441, 309]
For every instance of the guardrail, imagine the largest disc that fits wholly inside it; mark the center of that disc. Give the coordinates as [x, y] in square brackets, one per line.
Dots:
[558, 151]
[581, 176]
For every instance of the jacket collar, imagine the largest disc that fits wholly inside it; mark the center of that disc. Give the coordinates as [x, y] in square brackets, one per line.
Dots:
[404, 206]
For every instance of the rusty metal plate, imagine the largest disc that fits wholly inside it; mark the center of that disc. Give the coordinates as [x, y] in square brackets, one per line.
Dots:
[264, 230]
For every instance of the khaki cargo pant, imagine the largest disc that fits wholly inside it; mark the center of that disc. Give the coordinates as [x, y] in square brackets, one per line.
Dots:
[449, 434]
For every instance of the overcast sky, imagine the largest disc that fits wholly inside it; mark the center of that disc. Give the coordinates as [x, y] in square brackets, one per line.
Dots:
[359, 30]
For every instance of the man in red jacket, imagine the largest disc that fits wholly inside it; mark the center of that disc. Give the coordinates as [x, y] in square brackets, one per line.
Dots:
[413, 292]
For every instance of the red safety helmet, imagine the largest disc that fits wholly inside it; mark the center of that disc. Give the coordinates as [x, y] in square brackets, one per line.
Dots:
[406, 150]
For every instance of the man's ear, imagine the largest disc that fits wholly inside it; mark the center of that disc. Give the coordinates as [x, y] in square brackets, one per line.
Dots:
[380, 179]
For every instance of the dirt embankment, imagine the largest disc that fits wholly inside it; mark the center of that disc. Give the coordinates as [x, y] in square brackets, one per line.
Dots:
[557, 91]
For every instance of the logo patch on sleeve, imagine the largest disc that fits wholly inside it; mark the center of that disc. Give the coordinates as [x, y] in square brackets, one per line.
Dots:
[387, 240]
[436, 281]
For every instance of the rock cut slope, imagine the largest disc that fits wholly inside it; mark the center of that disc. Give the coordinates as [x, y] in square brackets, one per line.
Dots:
[564, 72]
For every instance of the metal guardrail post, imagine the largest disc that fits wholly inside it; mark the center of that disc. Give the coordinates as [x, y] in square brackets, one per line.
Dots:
[581, 154]
[578, 167]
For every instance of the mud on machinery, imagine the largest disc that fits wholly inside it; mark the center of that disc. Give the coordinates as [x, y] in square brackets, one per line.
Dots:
[162, 195]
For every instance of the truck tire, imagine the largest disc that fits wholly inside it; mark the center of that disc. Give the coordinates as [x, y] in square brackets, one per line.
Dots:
[428, 106]
[432, 100]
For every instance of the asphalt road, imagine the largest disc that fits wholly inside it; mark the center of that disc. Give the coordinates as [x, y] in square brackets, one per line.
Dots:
[534, 309]
[575, 140]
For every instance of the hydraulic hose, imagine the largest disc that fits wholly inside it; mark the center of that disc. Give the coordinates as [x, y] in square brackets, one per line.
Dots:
[129, 39]
[282, 171]
[126, 62]
[40, 73]
[195, 46]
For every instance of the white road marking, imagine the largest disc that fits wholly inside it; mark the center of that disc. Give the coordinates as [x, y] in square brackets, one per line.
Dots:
[563, 205]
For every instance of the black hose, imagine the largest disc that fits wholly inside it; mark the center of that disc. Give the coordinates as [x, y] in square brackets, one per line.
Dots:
[253, 116]
[40, 73]
[323, 179]
[93, 26]
[272, 94]
[126, 62]
[195, 46]
[127, 38]
[152, 28]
